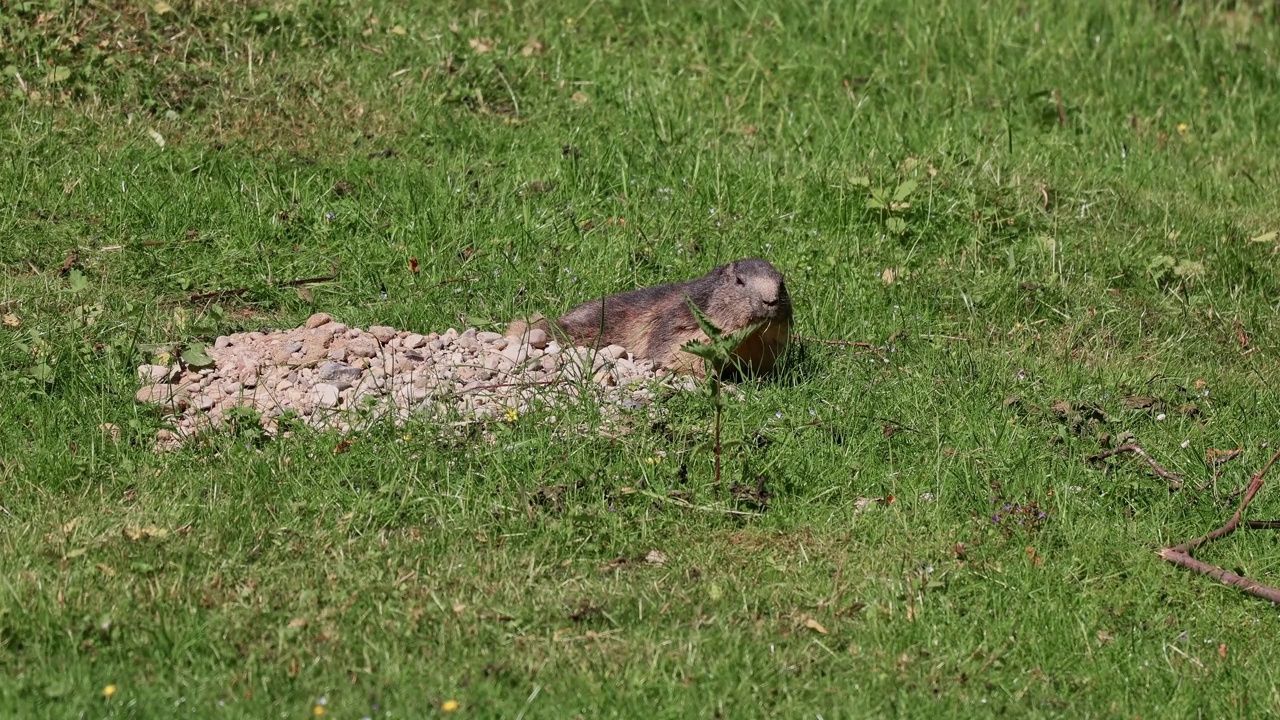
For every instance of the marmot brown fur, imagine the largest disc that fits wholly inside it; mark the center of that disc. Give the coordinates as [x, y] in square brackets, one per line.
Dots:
[655, 322]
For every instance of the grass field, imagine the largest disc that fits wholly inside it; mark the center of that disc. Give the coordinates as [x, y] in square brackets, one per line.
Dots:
[1080, 242]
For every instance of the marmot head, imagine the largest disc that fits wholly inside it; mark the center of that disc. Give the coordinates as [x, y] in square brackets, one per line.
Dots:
[750, 291]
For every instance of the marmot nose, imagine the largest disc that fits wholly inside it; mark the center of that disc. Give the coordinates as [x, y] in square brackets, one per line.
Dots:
[771, 303]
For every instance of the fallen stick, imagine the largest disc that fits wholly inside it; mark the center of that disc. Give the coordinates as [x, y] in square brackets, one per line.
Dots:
[1181, 554]
[837, 343]
[213, 295]
[1175, 481]
[1222, 575]
[1219, 465]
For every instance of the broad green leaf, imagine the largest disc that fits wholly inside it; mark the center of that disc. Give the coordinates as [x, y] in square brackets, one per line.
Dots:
[77, 281]
[194, 356]
[904, 190]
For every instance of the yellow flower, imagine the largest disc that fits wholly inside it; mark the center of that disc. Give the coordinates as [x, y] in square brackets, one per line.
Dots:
[1182, 128]
[108, 691]
[449, 705]
[318, 711]
[512, 415]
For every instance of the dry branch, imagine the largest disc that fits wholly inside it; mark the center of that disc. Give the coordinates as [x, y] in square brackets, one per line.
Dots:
[1175, 481]
[1181, 554]
[233, 292]
[240, 291]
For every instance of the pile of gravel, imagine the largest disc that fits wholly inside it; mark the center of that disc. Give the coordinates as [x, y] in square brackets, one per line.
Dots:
[336, 377]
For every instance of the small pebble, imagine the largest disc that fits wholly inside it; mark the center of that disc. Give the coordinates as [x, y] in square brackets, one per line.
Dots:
[153, 373]
[325, 395]
[385, 373]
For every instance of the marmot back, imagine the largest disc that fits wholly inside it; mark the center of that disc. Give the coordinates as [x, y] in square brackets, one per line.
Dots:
[656, 322]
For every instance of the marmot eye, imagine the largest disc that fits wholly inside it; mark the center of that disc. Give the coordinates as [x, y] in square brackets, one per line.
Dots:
[740, 281]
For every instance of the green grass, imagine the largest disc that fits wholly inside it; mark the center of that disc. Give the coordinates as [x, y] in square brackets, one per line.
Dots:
[1117, 246]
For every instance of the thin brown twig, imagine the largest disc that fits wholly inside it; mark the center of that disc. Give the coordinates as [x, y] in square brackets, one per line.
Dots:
[1255, 484]
[837, 343]
[240, 291]
[497, 386]
[1219, 465]
[1062, 114]
[442, 283]
[1175, 481]
[1222, 575]
[1181, 554]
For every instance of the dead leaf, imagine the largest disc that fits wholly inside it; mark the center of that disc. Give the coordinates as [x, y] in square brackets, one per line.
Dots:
[1265, 237]
[458, 608]
[532, 46]
[580, 97]
[889, 275]
[815, 626]
[305, 295]
[1222, 650]
[863, 503]
[482, 45]
[69, 526]
[343, 446]
[413, 265]
[1241, 336]
[137, 534]
[68, 263]
[11, 320]
[298, 623]
[106, 569]
[656, 557]
[1104, 637]
[1036, 558]
[1214, 456]
[1142, 402]
[614, 564]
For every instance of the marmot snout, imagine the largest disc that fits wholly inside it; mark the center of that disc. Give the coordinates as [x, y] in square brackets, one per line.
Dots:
[656, 322]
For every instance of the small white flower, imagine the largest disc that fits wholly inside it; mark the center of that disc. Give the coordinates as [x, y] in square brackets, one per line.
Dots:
[1161, 416]
[1186, 443]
